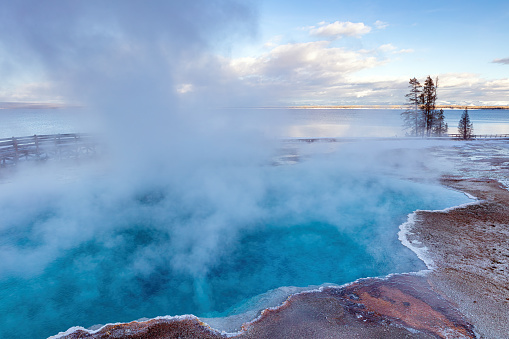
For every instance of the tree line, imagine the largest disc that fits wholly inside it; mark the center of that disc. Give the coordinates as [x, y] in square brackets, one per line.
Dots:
[422, 119]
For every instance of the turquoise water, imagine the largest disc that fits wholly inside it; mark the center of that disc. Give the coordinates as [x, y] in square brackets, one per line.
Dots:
[94, 251]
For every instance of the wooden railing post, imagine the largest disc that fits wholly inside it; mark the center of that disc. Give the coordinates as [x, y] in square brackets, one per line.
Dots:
[36, 146]
[16, 153]
[57, 146]
[76, 147]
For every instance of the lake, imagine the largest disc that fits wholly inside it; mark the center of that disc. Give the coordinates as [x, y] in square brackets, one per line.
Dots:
[292, 123]
[305, 123]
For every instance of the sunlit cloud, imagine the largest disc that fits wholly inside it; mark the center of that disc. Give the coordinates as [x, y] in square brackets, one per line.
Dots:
[300, 61]
[472, 89]
[319, 73]
[337, 30]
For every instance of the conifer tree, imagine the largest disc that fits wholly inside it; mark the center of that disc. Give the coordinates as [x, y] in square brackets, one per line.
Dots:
[412, 119]
[440, 127]
[465, 127]
[421, 118]
[428, 99]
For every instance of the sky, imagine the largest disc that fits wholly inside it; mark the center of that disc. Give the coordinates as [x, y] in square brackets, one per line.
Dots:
[268, 53]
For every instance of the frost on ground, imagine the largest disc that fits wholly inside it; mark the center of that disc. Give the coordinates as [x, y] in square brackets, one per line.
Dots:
[469, 243]
[478, 159]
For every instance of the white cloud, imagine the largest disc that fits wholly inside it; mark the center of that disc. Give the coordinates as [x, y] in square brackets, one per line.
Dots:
[387, 48]
[380, 24]
[454, 80]
[390, 48]
[185, 88]
[404, 51]
[469, 88]
[318, 73]
[273, 42]
[315, 73]
[337, 30]
[312, 73]
[301, 62]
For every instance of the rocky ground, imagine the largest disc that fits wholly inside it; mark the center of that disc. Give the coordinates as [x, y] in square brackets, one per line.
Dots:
[470, 249]
[401, 306]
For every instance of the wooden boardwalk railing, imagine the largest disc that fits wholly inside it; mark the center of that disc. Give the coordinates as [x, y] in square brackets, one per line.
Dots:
[74, 145]
[482, 136]
[445, 137]
[43, 147]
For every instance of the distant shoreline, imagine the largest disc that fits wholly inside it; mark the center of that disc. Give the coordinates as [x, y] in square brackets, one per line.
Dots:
[36, 105]
[32, 105]
[392, 107]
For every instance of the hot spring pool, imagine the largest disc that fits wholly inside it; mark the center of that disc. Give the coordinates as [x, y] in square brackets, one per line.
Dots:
[97, 251]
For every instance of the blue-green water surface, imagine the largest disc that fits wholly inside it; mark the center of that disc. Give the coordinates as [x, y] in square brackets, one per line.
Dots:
[91, 252]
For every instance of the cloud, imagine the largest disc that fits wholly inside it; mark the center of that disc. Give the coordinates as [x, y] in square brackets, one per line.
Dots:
[302, 72]
[404, 51]
[41, 92]
[95, 55]
[472, 89]
[184, 88]
[387, 48]
[273, 42]
[320, 73]
[380, 24]
[454, 88]
[337, 30]
[504, 61]
[299, 62]
[390, 48]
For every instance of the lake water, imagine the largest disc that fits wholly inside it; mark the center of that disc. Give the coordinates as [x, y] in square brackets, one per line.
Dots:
[303, 123]
[108, 248]
[381, 122]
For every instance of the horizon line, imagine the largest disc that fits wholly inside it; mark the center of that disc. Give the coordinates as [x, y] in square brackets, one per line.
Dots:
[39, 105]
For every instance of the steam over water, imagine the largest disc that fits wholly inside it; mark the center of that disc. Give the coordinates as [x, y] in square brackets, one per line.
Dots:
[95, 250]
